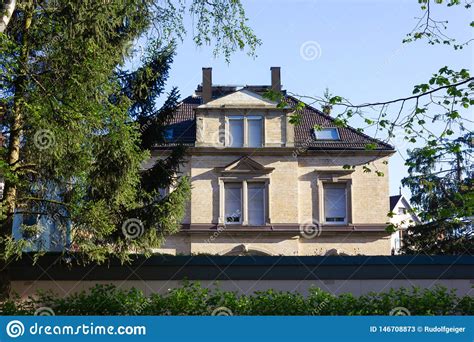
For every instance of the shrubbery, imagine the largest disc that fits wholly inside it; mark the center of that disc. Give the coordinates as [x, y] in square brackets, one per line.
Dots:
[192, 299]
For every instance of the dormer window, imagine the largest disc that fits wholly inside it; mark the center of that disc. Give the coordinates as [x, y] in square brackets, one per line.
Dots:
[255, 128]
[330, 133]
[244, 131]
[235, 138]
[168, 134]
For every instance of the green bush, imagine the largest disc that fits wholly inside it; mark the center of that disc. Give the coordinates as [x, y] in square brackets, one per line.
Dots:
[192, 299]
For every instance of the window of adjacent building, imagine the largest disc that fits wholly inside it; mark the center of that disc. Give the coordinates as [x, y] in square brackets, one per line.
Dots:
[255, 128]
[163, 192]
[245, 131]
[256, 204]
[335, 203]
[30, 219]
[168, 134]
[402, 211]
[233, 202]
[326, 133]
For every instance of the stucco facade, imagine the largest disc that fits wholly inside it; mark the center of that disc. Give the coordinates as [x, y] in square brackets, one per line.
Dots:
[293, 176]
[294, 207]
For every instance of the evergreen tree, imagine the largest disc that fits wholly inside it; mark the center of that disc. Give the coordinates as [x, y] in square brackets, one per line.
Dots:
[441, 182]
[78, 125]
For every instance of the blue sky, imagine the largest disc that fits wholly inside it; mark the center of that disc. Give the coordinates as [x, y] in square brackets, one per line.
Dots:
[361, 55]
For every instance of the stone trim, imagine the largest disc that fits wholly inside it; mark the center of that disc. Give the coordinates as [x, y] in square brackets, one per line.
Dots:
[244, 179]
[333, 177]
[292, 228]
[284, 151]
[252, 167]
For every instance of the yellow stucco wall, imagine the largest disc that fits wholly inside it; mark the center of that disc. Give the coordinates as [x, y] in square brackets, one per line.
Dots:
[294, 200]
[294, 193]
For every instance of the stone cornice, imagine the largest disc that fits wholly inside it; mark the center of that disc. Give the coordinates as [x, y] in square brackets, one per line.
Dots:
[290, 228]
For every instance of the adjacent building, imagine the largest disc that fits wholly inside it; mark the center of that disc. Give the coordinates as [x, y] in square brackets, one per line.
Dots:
[403, 216]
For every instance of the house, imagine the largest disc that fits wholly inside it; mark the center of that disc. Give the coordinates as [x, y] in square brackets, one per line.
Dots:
[263, 186]
[403, 217]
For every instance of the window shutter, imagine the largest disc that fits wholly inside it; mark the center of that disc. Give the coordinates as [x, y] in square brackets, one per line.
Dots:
[233, 203]
[256, 204]
[255, 131]
[335, 202]
[236, 132]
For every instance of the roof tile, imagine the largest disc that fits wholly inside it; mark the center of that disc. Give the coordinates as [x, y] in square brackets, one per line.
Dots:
[184, 129]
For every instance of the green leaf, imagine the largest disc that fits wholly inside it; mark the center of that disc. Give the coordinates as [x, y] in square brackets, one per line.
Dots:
[368, 121]
[295, 119]
[370, 146]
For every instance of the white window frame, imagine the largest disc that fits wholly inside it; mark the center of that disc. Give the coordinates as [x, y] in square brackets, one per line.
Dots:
[246, 118]
[244, 216]
[315, 132]
[346, 217]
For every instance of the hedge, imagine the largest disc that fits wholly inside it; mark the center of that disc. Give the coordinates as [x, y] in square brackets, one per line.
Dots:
[192, 299]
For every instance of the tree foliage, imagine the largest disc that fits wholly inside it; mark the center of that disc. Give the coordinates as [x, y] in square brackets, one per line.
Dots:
[435, 121]
[79, 124]
[440, 179]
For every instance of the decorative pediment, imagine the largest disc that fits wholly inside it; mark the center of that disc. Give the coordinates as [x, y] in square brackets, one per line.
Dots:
[334, 175]
[240, 99]
[244, 165]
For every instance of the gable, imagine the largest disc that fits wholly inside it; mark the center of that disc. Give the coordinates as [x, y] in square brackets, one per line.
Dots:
[394, 201]
[241, 99]
[244, 165]
[399, 201]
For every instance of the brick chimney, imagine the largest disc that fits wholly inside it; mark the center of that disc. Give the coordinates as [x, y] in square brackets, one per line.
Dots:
[276, 79]
[206, 85]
